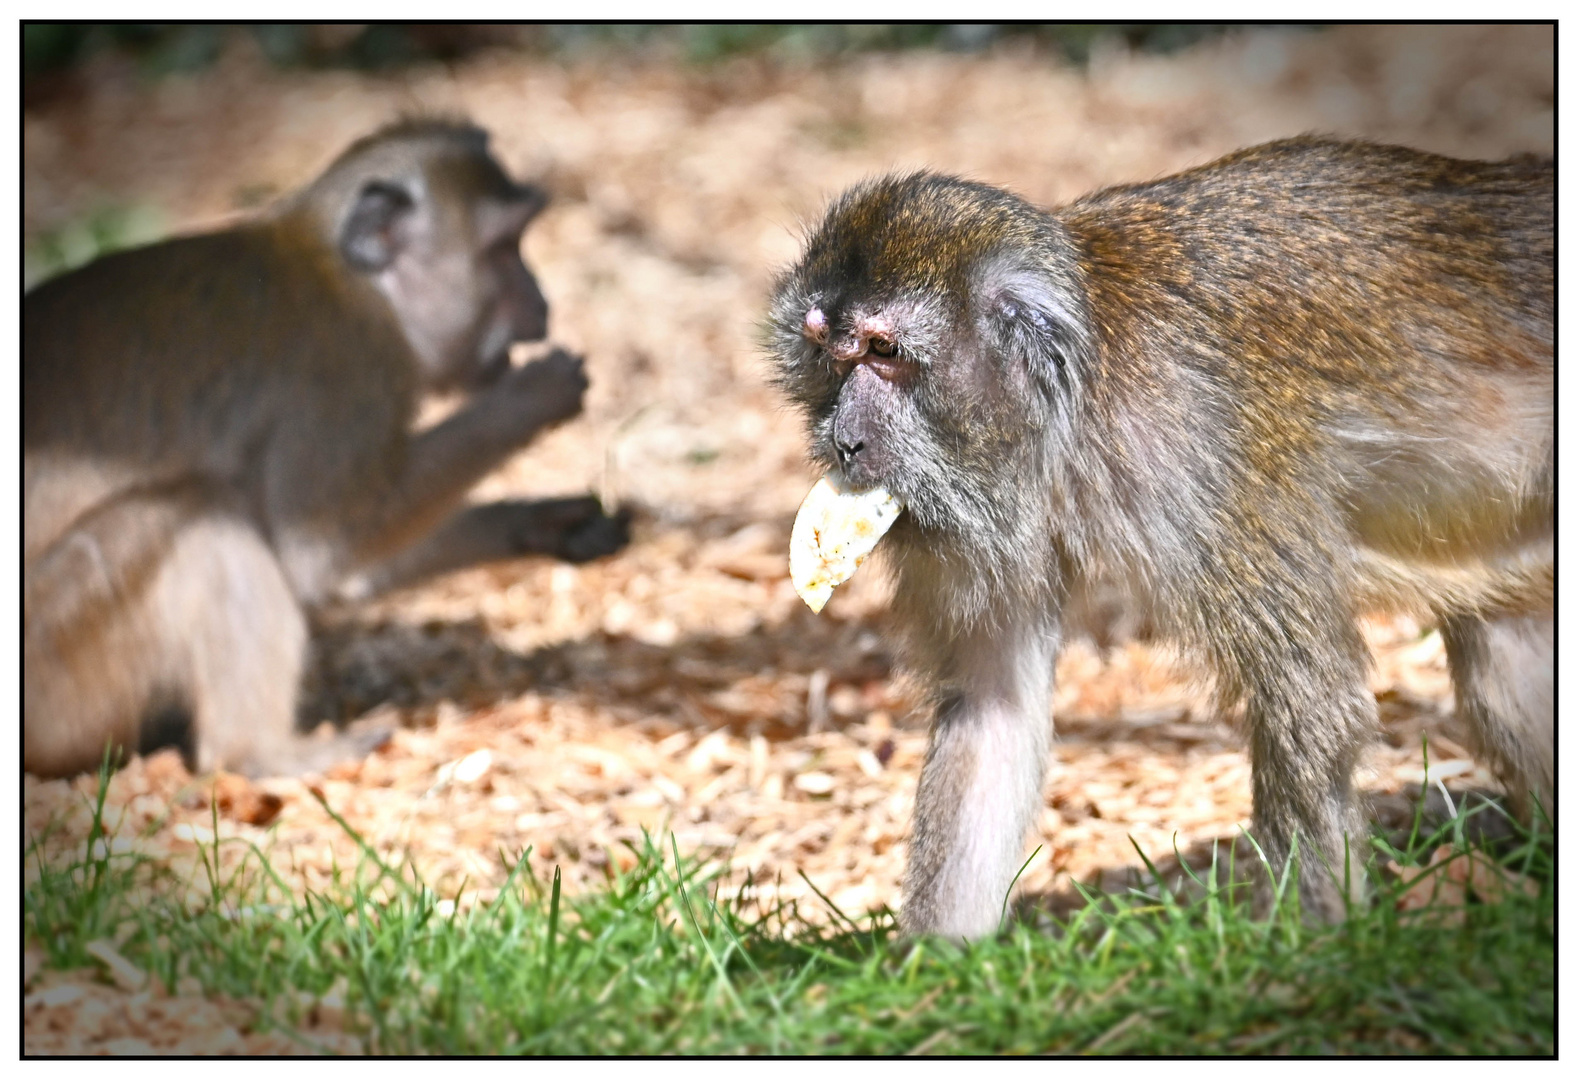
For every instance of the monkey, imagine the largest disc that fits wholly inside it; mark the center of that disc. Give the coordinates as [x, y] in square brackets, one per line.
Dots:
[217, 437]
[1310, 380]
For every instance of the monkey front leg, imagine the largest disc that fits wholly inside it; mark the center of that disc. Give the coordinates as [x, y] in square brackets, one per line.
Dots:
[981, 782]
[447, 459]
[575, 530]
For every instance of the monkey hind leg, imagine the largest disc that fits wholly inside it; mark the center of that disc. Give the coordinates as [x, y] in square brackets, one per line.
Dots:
[1307, 728]
[1503, 672]
[1307, 817]
[93, 653]
[227, 610]
[86, 687]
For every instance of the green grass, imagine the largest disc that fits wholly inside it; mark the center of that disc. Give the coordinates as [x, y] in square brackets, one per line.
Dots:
[652, 965]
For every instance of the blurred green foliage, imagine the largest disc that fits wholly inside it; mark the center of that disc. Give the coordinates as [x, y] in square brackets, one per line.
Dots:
[52, 49]
[79, 242]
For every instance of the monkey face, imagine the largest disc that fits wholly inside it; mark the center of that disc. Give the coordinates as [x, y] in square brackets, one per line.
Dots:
[924, 336]
[484, 299]
[511, 307]
[439, 233]
[899, 395]
[515, 310]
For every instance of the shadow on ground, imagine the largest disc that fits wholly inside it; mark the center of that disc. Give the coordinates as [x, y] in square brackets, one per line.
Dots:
[752, 683]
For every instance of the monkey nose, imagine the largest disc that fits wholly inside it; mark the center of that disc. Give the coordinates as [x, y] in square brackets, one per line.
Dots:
[848, 450]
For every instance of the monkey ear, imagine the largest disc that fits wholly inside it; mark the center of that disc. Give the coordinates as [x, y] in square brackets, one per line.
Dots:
[1034, 321]
[373, 235]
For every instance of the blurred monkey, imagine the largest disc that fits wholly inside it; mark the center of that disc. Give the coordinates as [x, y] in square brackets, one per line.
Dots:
[216, 432]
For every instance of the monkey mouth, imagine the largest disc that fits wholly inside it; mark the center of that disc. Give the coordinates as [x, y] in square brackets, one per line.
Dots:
[836, 529]
[857, 477]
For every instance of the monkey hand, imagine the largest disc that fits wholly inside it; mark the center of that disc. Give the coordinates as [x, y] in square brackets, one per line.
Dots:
[547, 390]
[575, 530]
[593, 533]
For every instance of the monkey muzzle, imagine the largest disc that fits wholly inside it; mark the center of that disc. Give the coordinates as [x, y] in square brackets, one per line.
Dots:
[834, 532]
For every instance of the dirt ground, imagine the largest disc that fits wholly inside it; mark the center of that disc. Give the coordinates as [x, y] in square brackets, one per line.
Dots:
[681, 685]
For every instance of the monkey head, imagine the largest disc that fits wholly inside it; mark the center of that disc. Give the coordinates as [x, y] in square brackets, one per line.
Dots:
[934, 336]
[431, 219]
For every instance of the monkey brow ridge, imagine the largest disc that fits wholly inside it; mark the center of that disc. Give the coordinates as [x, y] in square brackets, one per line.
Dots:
[922, 231]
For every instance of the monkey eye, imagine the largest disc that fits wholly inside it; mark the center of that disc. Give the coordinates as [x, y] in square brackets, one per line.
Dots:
[882, 347]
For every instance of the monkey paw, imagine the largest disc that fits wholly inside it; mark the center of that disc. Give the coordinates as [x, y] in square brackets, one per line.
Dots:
[549, 389]
[575, 530]
[598, 535]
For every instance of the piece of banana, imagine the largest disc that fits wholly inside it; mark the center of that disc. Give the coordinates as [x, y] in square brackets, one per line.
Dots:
[833, 533]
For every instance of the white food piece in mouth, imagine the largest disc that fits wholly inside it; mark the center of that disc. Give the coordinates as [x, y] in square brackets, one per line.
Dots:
[833, 533]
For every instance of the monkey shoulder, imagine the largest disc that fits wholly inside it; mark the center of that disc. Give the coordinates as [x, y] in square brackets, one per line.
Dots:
[239, 355]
